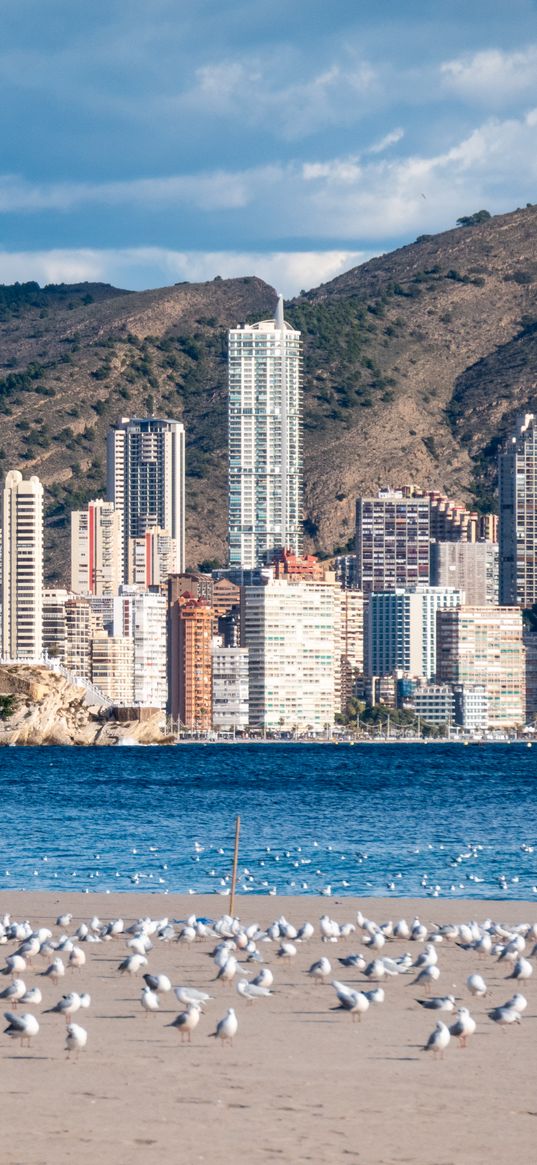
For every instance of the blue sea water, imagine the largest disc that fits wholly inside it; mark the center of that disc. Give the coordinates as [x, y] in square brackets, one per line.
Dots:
[370, 820]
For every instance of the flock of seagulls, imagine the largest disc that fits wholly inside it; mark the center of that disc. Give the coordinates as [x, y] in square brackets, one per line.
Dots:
[246, 958]
[315, 868]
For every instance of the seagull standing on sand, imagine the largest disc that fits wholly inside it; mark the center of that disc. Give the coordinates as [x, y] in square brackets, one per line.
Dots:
[76, 1038]
[438, 1040]
[21, 1027]
[55, 971]
[355, 1002]
[477, 986]
[320, 971]
[464, 1026]
[187, 1021]
[188, 995]
[15, 992]
[251, 991]
[521, 970]
[67, 1006]
[227, 1027]
[149, 1000]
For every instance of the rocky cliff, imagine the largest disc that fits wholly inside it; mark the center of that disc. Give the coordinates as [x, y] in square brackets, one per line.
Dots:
[43, 707]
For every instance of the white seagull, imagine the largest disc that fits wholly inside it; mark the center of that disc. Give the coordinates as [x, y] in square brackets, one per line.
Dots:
[438, 1040]
[21, 1027]
[76, 1038]
[227, 1027]
[187, 1021]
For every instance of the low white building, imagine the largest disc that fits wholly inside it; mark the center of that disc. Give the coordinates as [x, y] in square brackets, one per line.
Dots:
[230, 687]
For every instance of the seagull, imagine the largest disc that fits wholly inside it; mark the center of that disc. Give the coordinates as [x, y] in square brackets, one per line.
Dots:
[21, 1027]
[375, 996]
[463, 1027]
[264, 978]
[66, 1006]
[132, 964]
[477, 986]
[55, 971]
[77, 958]
[438, 1003]
[157, 983]
[227, 1027]
[286, 951]
[426, 978]
[64, 920]
[320, 971]
[355, 1002]
[15, 992]
[438, 1040]
[32, 996]
[375, 970]
[357, 961]
[15, 965]
[251, 991]
[187, 1021]
[76, 1038]
[521, 970]
[505, 1015]
[228, 971]
[188, 995]
[149, 1000]
[519, 1002]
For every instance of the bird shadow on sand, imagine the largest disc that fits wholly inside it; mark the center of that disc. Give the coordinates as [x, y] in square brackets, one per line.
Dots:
[43, 1058]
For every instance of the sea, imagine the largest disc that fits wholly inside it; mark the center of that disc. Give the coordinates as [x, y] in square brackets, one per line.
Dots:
[424, 820]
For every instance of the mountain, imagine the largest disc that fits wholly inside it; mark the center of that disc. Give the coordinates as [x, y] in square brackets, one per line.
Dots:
[415, 367]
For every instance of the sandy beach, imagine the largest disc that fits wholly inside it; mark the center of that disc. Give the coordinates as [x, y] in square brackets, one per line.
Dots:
[301, 1083]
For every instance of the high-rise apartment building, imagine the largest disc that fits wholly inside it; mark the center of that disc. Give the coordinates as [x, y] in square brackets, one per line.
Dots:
[146, 481]
[401, 630]
[392, 542]
[265, 440]
[291, 627]
[190, 662]
[484, 646]
[453, 522]
[152, 558]
[22, 568]
[96, 562]
[230, 707]
[518, 516]
[471, 567]
[112, 667]
[141, 616]
[351, 644]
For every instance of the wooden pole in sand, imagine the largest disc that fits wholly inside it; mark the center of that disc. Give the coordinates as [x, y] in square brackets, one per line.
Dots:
[235, 863]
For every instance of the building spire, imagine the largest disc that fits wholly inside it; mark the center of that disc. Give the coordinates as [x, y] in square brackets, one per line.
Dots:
[278, 315]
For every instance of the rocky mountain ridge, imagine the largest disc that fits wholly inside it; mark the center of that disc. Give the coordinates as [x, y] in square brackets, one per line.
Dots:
[415, 367]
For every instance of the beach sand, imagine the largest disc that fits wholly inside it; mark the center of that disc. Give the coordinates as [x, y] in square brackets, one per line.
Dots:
[301, 1083]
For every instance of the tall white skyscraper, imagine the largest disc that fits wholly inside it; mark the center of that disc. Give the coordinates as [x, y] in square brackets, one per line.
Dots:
[265, 440]
[146, 481]
[22, 568]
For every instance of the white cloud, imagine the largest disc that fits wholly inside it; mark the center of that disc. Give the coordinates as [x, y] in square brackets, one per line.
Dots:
[142, 267]
[370, 199]
[259, 94]
[492, 76]
[389, 139]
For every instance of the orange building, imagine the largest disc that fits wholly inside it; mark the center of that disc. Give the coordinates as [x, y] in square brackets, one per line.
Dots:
[190, 662]
[289, 565]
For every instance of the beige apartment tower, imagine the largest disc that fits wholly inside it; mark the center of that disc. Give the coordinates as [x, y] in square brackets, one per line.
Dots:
[484, 645]
[96, 566]
[22, 568]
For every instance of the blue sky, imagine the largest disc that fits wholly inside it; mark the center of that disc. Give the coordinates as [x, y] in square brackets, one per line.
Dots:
[149, 141]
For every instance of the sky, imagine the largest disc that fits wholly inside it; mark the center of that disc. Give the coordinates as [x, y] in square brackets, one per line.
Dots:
[144, 142]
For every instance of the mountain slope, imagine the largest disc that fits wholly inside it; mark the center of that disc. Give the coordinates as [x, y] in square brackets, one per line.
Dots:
[415, 364]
